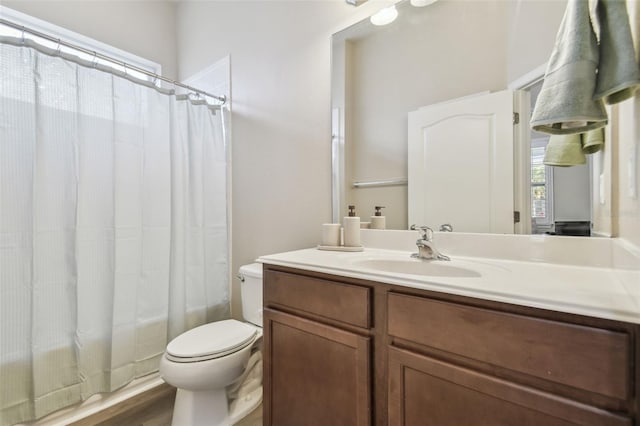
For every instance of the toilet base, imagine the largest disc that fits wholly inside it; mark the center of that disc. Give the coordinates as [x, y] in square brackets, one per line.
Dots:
[201, 408]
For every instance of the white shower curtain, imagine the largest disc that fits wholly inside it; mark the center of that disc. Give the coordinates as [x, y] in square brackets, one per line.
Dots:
[113, 227]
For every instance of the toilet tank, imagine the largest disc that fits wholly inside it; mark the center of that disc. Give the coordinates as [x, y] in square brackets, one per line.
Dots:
[251, 292]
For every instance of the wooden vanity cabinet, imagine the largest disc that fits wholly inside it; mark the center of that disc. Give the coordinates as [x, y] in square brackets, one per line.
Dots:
[317, 351]
[502, 368]
[347, 352]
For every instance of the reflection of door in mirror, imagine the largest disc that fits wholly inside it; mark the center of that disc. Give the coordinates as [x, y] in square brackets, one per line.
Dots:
[460, 164]
[560, 196]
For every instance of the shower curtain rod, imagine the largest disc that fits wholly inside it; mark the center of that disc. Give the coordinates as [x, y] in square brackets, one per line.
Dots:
[95, 54]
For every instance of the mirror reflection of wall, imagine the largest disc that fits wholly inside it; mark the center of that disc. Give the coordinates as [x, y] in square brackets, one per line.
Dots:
[447, 50]
[423, 57]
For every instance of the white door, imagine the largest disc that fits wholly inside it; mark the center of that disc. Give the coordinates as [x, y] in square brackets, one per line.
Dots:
[461, 164]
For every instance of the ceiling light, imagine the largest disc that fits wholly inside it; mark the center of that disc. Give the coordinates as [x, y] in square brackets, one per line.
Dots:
[384, 16]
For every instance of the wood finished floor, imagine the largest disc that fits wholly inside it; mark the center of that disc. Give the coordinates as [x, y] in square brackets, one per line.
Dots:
[253, 419]
[152, 408]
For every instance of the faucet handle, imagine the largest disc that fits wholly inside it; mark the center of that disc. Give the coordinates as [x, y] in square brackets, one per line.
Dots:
[426, 233]
[446, 227]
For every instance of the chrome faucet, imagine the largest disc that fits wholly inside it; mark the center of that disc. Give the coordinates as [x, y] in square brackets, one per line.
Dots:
[426, 249]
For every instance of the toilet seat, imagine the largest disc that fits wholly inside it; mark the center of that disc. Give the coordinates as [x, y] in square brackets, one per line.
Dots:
[210, 341]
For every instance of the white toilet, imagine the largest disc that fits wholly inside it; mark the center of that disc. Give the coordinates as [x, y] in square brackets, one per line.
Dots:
[204, 361]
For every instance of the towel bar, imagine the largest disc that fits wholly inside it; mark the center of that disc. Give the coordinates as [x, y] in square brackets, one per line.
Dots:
[384, 182]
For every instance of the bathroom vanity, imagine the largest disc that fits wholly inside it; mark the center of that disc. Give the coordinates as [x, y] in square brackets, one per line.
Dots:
[358, 347]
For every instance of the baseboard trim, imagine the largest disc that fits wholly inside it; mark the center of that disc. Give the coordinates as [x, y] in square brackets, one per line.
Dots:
[134, 407]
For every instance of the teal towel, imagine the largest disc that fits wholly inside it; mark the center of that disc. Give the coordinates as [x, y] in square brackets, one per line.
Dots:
[618, 72]
[564, 150]
[565, 104]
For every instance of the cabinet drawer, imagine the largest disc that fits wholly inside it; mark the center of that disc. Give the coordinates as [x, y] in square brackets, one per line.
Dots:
[346, 303]
[428, 392]
[592, 359]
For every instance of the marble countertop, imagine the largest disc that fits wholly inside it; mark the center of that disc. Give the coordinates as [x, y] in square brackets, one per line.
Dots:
[596, 291]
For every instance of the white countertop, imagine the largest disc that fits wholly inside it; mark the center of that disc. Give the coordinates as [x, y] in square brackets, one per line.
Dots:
[596, 291]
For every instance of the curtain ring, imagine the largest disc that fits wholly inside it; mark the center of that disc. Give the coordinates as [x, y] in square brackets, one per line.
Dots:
[94, 61]
[22, 38]
[155, 80]
[58, 48]
[124, 65]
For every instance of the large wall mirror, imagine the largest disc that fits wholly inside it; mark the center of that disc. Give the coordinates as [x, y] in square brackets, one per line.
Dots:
[448, 50]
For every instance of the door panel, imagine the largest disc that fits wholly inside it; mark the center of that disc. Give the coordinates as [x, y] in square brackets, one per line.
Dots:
[461, 164]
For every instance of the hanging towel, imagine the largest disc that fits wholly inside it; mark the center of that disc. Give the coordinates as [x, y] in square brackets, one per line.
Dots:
[565, 104]
[565, 151]
[618, 72]
[570, 150]
[592, 141]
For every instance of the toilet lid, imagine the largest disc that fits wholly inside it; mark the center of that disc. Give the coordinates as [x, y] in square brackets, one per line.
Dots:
[211, 341]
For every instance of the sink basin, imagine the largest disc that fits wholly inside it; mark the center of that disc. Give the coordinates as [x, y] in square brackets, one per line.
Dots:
[432, 268]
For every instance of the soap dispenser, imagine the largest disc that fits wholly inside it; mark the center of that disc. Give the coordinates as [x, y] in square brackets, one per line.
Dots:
[352, 228]
[377, 220]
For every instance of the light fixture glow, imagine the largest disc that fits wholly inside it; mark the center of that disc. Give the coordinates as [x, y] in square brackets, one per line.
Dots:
[422, 3]
[384, 16]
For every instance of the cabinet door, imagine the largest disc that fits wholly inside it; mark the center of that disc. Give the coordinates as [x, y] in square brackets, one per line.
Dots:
[425, 391]
[314, 374]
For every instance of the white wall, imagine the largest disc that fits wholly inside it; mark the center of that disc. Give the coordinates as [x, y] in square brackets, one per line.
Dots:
[533, 25]
[280, 76]
[628, 214]
[144, 28]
